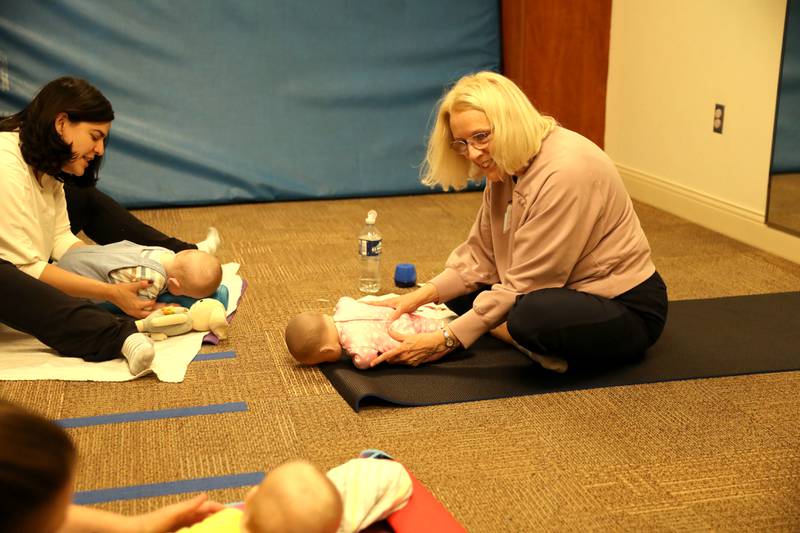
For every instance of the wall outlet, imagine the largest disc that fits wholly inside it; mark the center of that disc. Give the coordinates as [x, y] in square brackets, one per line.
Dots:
[719, 117]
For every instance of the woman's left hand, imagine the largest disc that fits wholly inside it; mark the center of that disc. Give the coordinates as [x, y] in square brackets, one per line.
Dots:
[178, 515]
[168, 518]
[414, 349]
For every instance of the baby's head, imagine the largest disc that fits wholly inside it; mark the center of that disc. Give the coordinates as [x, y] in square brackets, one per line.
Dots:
[37, 460]
[194, 273]
[312, 338]
[294, 497]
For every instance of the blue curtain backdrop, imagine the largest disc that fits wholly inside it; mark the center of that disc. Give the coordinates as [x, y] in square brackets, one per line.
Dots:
[786, 150]
[253, 100]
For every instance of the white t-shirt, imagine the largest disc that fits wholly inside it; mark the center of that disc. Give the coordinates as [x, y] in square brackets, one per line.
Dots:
[34, 225]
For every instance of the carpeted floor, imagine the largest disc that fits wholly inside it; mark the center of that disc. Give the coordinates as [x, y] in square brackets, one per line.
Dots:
[704, 455]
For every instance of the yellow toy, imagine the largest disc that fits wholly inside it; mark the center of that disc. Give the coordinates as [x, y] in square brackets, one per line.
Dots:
[207, 314]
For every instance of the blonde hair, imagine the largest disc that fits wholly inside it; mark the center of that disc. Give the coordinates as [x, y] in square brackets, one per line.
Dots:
[517, 130]
[305, 335]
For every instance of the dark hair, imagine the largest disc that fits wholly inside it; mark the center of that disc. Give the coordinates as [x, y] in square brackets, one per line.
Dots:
[36, 462]
[41, 145]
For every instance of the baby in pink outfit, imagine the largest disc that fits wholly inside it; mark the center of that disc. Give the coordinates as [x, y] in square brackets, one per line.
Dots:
[359, 329]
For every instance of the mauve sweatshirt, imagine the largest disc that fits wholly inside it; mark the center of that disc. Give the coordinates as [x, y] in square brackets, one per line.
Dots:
[567, 222]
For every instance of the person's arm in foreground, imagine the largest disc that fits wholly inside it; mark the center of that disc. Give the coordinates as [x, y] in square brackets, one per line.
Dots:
[82, 519]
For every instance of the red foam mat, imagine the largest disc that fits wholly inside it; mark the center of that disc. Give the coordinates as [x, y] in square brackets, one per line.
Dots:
[423, 513]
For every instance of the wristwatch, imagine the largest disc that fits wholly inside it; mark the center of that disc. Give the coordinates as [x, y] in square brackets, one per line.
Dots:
[449, 340]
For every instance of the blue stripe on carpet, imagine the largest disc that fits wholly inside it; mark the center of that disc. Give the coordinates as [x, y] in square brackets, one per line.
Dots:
[214, 356]
[170, 487]
[137, 416]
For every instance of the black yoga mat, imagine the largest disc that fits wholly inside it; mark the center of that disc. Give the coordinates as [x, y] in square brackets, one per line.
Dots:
[702, 339]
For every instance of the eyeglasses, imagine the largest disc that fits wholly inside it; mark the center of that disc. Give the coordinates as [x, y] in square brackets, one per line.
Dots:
[478, 140]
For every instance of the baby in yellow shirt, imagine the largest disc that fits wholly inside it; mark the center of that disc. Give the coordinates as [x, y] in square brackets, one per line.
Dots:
[297, 497]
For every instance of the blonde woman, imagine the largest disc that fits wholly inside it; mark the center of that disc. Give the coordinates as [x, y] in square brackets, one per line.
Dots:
[556, 262]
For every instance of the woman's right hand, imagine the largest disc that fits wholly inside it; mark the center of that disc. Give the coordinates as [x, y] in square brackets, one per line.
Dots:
[123, 295]
[409, 302]
[126, 297]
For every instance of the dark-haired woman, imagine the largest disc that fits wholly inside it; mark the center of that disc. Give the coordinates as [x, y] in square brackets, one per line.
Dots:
[90, 210]
[37, 470]
[60, 138]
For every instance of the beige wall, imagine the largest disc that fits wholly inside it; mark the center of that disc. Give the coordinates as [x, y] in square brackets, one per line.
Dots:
[669, 63]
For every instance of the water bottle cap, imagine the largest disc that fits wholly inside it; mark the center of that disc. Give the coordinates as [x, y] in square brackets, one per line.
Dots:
[372, 215]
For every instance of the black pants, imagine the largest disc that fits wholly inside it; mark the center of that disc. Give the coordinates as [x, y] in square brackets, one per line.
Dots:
[71, 326]
[104, 221]
[586, 330]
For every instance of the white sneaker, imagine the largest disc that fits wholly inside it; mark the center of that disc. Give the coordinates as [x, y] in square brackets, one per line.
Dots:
[548, 362]
[211, 243]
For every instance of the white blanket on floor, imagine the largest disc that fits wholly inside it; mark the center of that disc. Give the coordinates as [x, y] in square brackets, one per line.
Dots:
[23, 357]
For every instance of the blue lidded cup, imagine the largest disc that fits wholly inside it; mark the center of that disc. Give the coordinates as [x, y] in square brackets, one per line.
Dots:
[405, 275]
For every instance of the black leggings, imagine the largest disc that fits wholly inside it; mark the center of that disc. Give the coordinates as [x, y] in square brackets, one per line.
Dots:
[71, 326]
[585, 329]
[105, 221]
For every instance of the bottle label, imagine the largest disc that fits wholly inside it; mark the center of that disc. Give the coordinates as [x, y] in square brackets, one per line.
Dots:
[369, 248]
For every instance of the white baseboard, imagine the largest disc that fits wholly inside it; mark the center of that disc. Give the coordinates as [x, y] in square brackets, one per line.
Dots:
[718, 215]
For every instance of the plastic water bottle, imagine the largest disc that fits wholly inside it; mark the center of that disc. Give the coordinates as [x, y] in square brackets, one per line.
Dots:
[369, 255]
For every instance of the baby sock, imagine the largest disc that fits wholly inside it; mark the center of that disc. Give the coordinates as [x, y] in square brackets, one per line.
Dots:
[211, 242]
[549, 362]
[138, 349]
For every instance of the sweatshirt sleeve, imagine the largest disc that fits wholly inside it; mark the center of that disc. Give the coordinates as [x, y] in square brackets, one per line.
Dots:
[17, 223]
[472, 263]
[63, 238]
[33, 221]
[549, 239]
